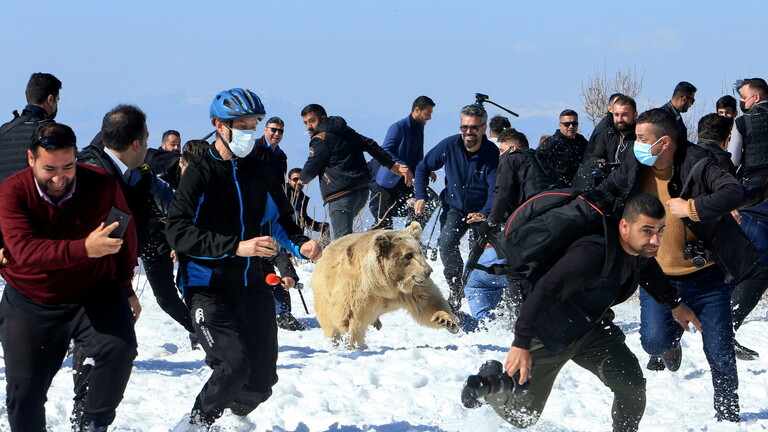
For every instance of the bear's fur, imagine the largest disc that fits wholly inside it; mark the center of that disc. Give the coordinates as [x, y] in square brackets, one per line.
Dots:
[364, 275]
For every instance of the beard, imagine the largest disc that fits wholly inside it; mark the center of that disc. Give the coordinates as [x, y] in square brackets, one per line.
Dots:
[624, 127]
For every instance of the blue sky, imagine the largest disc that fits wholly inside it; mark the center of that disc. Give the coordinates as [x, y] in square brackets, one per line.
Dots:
[367, 61]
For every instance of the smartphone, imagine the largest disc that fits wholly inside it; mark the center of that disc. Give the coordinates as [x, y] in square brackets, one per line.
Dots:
[122, 217]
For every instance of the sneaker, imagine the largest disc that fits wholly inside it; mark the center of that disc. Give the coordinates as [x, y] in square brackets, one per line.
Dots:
[744, 353]
[286, 321]
[92, 427]
[194, 342]
[673, 357]
[655, 364]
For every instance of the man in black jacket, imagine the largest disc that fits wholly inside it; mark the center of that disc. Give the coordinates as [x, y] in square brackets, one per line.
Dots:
[567, 316]
[216, 225]
[562, 153]
[683, 98]
[336, 154]
[42, 105]
[615, 142]
[698, 196]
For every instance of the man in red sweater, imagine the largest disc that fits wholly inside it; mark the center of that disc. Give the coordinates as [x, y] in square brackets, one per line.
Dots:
[66, 279]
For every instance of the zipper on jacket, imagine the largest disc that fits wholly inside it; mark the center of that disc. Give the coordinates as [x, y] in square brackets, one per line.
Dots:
[242, 222]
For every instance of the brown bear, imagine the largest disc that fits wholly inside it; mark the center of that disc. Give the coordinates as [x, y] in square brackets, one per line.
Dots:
[364, 275]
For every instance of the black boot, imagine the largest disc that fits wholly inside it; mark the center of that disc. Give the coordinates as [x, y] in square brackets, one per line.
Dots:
[744, 353]
[93, 427]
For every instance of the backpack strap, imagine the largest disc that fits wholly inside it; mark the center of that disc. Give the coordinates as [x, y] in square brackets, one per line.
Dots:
[690, 175]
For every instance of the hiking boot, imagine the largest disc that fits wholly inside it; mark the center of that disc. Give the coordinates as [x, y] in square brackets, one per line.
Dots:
[204, 419]
[286, 321]
[673, 357]
[194, 342]
[744, 353]
[655, 364]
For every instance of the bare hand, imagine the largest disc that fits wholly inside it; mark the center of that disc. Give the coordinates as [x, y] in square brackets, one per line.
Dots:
[403, 171]
[678, 207]
[311, 250]
[684, 315]
[475, 217]
[518, 359]
[288, 283]
[418, 206]
[432, 177]
[736, 215]
[3, 259]
[174, 258]
[264, 247]
[98, 243]
[133, 301]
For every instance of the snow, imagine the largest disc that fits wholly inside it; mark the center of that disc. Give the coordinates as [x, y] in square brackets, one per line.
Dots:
[408, 380]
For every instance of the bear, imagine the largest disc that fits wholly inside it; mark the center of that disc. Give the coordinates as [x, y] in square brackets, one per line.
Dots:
[362, 276]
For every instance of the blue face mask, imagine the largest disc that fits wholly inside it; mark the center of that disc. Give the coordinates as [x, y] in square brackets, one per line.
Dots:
[643, 153]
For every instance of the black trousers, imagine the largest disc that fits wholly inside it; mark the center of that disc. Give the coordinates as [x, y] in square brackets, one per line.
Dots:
[158, 266]
[35, 338]
[237, 329]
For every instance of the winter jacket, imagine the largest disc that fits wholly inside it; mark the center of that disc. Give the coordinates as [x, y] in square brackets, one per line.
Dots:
[405, 143]
[569, 300]
[164, 164]
[15, 137]
[278, 158]
[218, 204]
[336, 154]
[470, 178]
[682, 130]
[714, 192]
[753, 127]
[562, 156]
[612, 146]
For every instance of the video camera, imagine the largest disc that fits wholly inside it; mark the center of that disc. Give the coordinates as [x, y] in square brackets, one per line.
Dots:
[482, 98]
[601, 169]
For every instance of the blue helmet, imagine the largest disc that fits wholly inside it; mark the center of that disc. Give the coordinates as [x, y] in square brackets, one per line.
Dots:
[236, 103]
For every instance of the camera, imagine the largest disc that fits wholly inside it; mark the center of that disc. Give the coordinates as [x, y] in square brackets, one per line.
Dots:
[480, 98]
[478, 386]
[601, 169]
[697, 253]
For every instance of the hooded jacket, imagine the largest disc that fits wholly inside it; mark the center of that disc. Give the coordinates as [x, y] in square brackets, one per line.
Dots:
[336, 155]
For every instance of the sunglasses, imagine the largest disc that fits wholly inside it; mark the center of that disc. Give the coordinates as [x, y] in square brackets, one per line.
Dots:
[295, 179]
[465, 128]
[569, 124]
[276, 130]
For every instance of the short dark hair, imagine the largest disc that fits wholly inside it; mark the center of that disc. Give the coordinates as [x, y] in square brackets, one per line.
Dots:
[715, 127]
[498, 123]
[194, 149]
[684, 88]
[625, 100]
[422, 102]
[569, 112]
[726, 101]
[41, 85]
[52, 136]
[170, 132]
[123, 125]
[275, 120]
[512, 134]
[612, 98]
[294, 171]
[644, 204]
[758, 85]
[314, 108]
[661, 121]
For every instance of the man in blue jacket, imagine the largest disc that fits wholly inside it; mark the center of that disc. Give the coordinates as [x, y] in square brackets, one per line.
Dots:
[405, 143]
[470, 161]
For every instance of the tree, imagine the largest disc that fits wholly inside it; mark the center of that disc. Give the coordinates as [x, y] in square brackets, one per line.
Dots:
[599, 88]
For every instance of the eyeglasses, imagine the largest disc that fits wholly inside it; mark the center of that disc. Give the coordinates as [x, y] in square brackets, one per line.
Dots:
[276, 130]
[295, 179]
[569, 124]
[465, 128]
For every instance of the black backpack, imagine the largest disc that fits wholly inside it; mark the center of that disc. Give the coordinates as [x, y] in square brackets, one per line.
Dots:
[543, 228]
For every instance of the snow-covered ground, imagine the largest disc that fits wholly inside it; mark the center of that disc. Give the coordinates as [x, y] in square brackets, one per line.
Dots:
[409, 379]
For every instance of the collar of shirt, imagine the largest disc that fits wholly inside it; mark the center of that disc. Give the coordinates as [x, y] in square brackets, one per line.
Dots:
[131, 177]
[45, 196]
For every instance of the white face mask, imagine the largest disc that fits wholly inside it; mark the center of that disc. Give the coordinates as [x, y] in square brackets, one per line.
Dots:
[243, 141]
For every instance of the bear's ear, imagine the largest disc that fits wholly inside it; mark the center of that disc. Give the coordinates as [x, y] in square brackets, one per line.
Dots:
[414, 229]
[383, 245]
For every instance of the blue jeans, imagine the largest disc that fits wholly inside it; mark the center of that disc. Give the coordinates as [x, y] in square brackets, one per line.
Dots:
[343, 211]
[754, 223]
[706, 293]
[484, 290]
